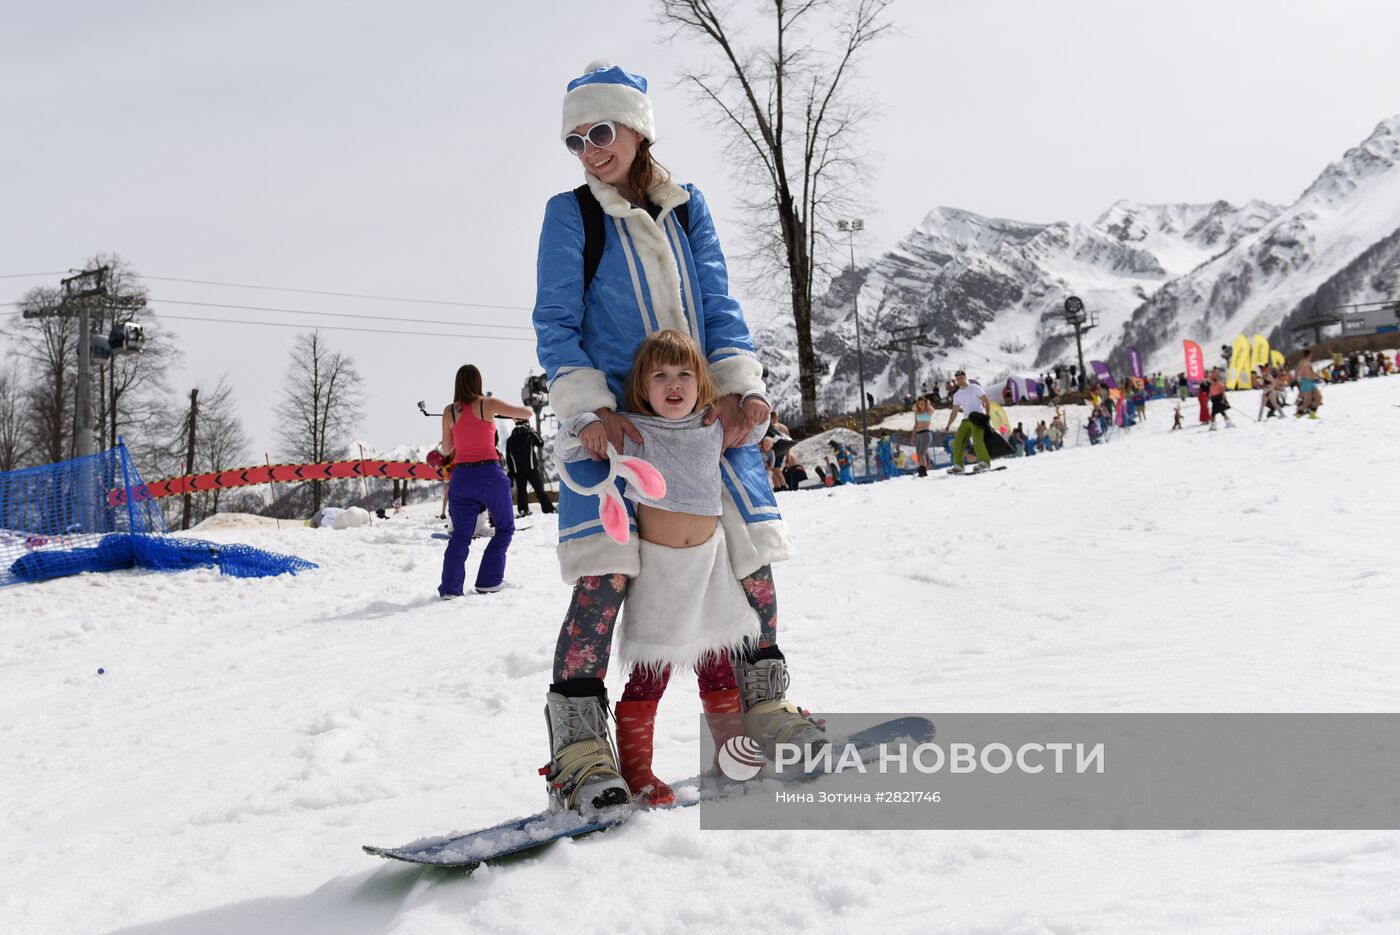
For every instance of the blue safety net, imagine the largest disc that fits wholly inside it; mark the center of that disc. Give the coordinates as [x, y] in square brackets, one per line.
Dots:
[94, 514]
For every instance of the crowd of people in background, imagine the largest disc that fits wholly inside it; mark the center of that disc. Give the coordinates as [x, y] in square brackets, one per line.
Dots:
[1112, 408]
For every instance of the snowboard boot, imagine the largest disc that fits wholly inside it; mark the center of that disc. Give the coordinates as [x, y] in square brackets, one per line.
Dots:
[636, 722]
[769, 718]
[955, 469]
[582, 772]
[981, 467]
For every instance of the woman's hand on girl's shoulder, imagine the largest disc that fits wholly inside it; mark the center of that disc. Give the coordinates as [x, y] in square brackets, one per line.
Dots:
[610, 428]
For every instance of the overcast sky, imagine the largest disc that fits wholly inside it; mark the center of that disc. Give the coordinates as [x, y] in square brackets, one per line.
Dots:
[407, 149]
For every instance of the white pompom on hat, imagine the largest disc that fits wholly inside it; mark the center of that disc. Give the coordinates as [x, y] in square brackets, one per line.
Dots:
[606, 92]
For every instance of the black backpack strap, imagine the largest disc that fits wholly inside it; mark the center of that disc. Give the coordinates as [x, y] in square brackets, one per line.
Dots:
[594, 233]
[682, 213]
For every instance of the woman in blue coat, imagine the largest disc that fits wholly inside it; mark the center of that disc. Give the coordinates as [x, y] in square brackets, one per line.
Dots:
[660, 266]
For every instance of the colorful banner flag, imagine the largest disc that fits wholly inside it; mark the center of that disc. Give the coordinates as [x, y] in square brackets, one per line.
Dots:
[1237, 375]
[1103, 374]
[1195, 363]
[1135, 361]
[1261, 352]
[996, 415]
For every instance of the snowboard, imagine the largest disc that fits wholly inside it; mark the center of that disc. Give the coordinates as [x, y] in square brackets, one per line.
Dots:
[969, 472]
[519, 835]
[479, 535]
[997, 445]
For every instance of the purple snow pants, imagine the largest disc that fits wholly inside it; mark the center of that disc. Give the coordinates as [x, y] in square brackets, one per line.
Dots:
[474, 488]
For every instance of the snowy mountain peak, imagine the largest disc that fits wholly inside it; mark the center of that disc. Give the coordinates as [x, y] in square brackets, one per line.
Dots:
[1375, 156]
[958, 230]
[1182, 236]
[1131, 221]
[1339, 243]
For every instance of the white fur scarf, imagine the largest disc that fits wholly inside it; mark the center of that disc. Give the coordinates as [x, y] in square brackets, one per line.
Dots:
[649, 237]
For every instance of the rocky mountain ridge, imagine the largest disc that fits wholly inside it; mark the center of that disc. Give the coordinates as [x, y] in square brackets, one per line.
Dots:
[988, 291]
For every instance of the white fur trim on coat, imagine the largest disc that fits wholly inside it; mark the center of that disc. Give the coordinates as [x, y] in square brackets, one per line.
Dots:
[598, 555]
[741, 373]
[686, 604]
[753, 545]
[658, 262]
[580, 389]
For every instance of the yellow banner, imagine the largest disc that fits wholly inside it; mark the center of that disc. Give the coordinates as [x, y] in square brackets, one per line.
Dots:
[1276, 359]
[1261, 352]
[997, 416]
[1237, 376]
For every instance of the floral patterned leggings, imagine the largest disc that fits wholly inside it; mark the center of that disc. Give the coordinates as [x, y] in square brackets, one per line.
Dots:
[585, 640]
[713, 673]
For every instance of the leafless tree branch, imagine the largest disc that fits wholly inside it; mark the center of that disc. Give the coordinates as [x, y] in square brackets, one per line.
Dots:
[787, 106]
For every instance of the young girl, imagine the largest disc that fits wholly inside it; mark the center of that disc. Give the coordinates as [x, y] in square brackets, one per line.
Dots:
[685, 607]
[923, 432]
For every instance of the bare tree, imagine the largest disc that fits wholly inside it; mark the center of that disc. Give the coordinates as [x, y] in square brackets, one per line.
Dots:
[14, 446]
[49, 347]
[791, 120]
[221, 441]
[323, 393]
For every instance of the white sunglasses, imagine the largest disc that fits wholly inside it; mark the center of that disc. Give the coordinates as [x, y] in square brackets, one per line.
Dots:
[600, 135]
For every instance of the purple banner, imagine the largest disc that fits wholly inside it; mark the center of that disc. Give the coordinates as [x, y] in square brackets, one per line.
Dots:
[1103, 375]
[1135, 361]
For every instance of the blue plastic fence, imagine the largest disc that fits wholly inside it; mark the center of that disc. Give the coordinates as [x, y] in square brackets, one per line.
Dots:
[92, 514]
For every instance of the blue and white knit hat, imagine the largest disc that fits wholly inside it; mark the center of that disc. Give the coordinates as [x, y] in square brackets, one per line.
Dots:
[606, 92]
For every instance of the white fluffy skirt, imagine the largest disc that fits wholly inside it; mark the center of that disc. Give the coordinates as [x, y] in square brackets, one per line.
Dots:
[684, 605]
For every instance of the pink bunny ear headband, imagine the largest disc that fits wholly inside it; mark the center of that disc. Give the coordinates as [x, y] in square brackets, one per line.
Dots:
[611, 509]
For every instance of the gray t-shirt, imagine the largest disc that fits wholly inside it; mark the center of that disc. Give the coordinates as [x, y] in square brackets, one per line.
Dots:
[686, 453]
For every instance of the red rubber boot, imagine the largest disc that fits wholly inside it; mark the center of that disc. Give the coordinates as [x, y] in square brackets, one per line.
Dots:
[724, 713]
[636, 722]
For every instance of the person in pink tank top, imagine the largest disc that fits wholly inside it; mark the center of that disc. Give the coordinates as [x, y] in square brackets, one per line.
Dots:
[478, 483]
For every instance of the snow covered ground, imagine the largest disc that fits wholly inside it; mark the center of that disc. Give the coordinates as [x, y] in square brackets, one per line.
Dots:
[248, 736]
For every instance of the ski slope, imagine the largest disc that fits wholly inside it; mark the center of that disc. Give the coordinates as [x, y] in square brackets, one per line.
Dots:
[247, 736]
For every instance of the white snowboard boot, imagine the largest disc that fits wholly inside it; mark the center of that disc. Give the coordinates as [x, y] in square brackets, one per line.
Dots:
[769, 717]
[582, 774]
